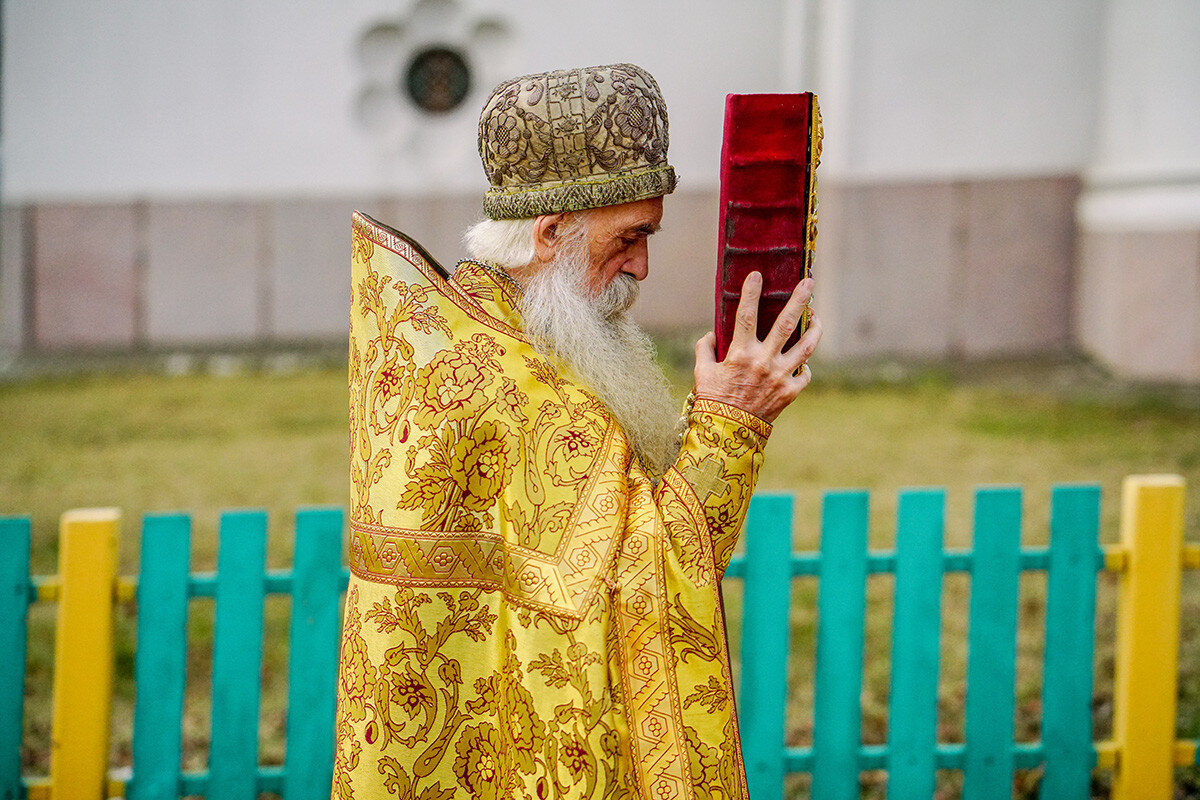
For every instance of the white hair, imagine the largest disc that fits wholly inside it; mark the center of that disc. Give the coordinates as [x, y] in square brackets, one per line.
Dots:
[507, 243]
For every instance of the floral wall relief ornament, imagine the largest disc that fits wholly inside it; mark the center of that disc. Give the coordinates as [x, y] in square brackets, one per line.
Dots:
[427, 68]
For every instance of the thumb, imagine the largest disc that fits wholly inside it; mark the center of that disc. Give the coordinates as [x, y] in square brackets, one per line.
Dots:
[706, 350]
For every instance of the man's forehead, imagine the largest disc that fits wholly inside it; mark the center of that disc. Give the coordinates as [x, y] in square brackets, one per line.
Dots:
[641, 214]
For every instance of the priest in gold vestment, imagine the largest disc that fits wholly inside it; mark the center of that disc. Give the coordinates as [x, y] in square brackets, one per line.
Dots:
[536, 543]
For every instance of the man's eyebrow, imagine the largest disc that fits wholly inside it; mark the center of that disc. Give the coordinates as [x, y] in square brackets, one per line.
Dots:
[646, 229]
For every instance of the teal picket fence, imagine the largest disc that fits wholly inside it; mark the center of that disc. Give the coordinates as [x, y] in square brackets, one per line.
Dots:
[837, 756]
[989, 755]
[239, 587]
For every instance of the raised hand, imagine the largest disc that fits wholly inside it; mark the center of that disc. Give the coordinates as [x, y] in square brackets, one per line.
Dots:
[759, 376]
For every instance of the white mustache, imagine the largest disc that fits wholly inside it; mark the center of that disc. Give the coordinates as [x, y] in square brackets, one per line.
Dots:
[618, 297]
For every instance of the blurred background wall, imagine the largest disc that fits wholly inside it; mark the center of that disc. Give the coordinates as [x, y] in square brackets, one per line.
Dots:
[999, 179]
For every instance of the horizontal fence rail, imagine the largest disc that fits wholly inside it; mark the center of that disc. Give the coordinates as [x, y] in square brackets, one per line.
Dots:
[1148, 561]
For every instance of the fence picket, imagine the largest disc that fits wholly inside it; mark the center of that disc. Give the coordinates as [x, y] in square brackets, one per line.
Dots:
[1146, 672]
[841, 608]
[83, 653]
[912, 706]
[312, 667]
[762, 701]
[1070, 642]
[14, 606]
[237, 655]
[160, 666]
[992, 644]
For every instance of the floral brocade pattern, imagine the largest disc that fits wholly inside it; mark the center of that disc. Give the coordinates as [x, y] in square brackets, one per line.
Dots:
[727, 443]
[528, 615]
[413, 722]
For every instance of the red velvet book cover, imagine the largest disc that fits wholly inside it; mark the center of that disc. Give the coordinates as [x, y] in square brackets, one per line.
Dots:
[771, 149]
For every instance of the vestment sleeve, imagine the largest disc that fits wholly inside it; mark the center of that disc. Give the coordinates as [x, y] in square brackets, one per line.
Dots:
[718, 462]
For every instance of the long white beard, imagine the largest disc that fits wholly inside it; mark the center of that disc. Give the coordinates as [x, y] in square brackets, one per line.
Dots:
[595, 337]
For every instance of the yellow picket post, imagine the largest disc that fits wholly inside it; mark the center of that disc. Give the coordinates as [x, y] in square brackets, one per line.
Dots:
[1148, 636]
[83, 654]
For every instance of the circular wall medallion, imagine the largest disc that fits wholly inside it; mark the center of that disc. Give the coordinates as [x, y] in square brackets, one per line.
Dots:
[437, 79]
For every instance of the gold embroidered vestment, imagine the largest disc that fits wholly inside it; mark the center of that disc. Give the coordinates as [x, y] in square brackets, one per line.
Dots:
[529, 615]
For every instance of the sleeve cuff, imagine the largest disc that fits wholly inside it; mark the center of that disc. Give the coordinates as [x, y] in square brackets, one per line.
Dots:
[744, 418]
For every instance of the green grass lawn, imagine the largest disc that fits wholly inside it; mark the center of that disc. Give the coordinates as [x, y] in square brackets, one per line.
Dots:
[202, 443]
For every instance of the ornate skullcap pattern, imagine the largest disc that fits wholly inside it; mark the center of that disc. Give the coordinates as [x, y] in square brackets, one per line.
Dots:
[574, 139]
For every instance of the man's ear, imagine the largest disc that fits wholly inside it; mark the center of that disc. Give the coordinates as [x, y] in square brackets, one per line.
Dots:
[545, 236]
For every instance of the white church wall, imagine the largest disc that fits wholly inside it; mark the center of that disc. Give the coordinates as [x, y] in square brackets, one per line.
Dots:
[955, 135]
[1149, 112]
[266, 98]
[262, 98]
[149, 99]
[1138, 287]
[228, 142]
[935, 90]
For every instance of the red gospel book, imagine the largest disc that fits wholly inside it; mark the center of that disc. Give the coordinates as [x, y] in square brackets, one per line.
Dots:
[768, 212]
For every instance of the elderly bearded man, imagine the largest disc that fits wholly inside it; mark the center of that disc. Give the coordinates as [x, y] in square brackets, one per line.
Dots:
[536, 547]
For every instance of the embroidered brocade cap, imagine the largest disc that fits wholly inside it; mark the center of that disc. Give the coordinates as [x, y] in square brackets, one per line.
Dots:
[574, 139]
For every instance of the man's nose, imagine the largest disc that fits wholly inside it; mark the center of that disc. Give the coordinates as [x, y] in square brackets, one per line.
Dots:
[638, 263]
